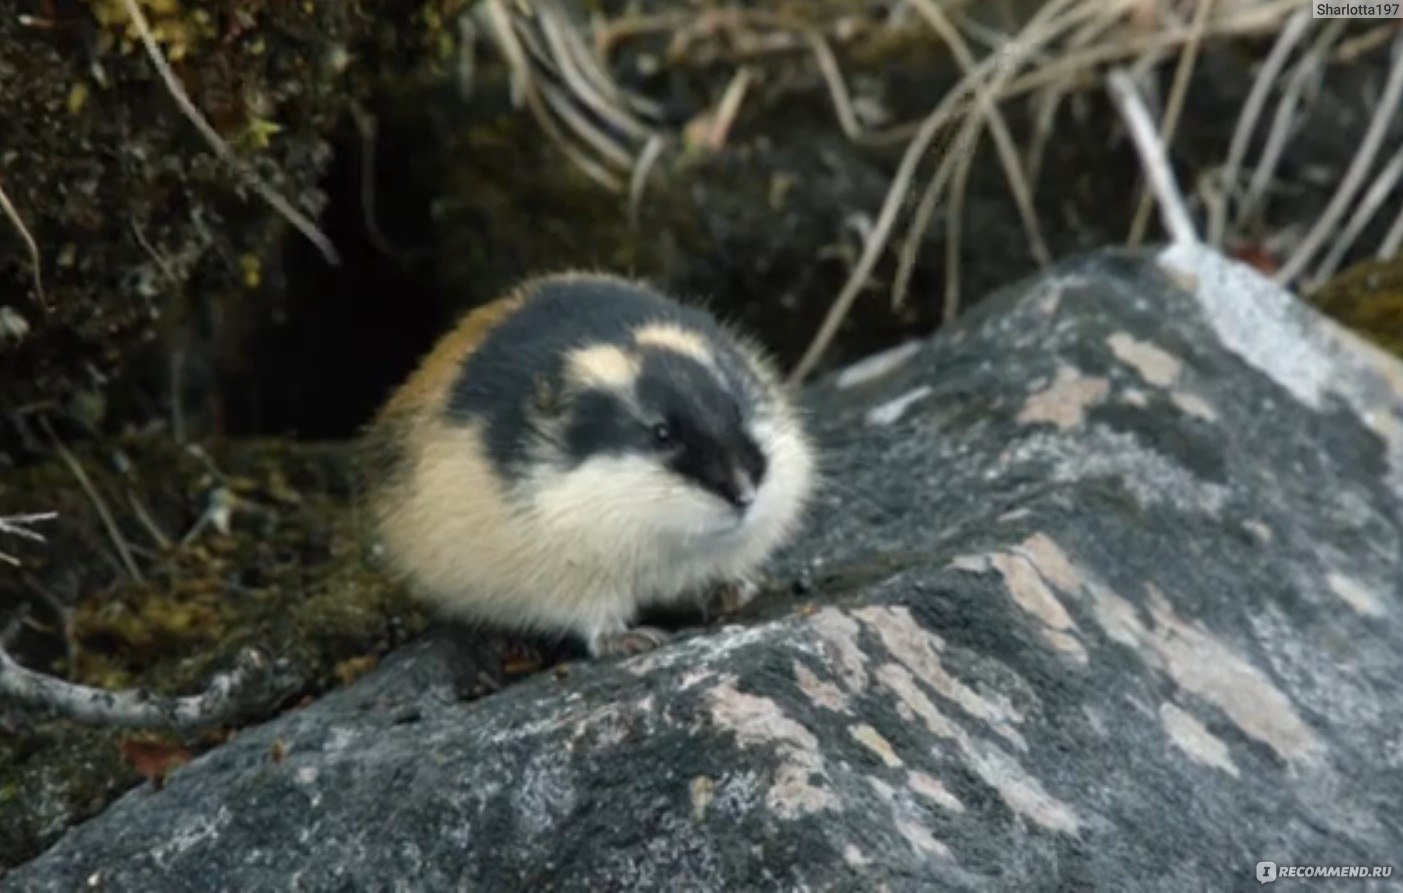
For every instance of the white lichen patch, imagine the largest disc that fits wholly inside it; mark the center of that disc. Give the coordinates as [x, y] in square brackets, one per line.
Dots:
[824, 694]
[1204, 665]
[1355, 594]
[1151, 477]
[1064, 403]
[855, 857]
[1190, 736]
[872, 739]
[890, 412]
[930, 788]
[1260, 532]
[191, 835]
[1134, 397]
[972, 564]
[878, 365]
[1302, 351]
[758, 721]
[919, 650]
[1192, 404]
[1156, 366]
[1257, 319]
[922, 839]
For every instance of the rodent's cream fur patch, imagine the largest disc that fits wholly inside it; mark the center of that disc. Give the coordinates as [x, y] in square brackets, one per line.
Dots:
[603, 366]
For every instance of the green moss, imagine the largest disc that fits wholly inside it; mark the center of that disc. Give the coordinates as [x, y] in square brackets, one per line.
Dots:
[1368, 298]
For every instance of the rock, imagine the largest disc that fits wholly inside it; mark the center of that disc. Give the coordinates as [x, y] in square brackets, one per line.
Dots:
[1103, 591]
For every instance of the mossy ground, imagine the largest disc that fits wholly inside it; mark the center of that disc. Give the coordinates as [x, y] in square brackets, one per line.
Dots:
[287, 574]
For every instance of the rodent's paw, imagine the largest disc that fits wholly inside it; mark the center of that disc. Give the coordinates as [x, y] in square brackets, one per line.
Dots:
[626, 642]
[733, 595]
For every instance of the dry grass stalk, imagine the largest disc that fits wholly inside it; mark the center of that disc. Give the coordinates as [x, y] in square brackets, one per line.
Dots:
[1358, 169]
[36, 265]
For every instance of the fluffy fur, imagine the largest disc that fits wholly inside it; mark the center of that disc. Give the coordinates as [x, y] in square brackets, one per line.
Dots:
[508, 529]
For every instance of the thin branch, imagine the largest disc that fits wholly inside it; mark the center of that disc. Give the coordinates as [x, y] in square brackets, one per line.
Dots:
[509, 42]
[930, 128]
[1042, 29]
[19, 526]
[837, 87]
[965, 146]
[1393, 239]
[36, 265]
[1358, 169]
[1152, 156]
[988, 109]
[585, 81]
[251, 684]
[143, 514]
[652, 151]
[925, 209]
[99, 504]
[1183, 73]
[1295, 28]
[366, 128]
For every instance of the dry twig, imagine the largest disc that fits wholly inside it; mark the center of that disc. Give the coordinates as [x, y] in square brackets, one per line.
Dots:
[22, 526]
[1296, 27]
[99, 504]
[1309, 66]
[1358, 169]
[36, 266]
[252, 684]
[1363, 213]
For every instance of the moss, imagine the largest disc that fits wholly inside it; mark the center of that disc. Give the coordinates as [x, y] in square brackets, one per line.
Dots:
[1368, 297]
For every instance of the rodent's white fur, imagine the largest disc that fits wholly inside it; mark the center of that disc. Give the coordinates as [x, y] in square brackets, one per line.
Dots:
[577, 550]
[581, 550]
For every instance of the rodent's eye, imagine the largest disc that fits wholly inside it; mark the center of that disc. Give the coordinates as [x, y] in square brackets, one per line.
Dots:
[662, 434]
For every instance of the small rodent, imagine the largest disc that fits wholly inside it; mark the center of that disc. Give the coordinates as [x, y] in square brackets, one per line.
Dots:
[581, 448]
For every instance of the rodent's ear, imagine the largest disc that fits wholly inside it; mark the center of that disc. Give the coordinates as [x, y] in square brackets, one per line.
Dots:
[546, 398]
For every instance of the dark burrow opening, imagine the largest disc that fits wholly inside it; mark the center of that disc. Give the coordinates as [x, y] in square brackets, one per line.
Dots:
[318, 364]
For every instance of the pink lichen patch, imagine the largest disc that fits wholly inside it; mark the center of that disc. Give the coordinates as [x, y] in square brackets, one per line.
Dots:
[1064, 402]
[1155, 365]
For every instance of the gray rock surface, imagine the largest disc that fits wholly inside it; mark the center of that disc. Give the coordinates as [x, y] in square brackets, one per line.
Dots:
[1103, 592]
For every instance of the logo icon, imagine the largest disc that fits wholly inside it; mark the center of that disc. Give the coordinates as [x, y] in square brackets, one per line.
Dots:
[1266, 872]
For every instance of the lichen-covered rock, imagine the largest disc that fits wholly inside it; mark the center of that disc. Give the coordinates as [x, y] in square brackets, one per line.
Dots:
[1103, 592]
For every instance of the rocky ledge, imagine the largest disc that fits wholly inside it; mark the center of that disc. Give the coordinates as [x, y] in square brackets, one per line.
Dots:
[1102, 592]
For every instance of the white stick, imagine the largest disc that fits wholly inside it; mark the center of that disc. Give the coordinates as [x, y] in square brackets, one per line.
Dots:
[1145, 134]
[246, 686]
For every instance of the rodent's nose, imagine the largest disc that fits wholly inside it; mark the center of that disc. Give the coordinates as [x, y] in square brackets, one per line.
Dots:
[742, 491]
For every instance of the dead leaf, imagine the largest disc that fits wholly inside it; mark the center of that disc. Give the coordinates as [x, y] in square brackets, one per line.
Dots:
[353, 668]
[154, 759]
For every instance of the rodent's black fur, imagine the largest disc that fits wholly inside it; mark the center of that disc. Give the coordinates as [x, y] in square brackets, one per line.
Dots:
[525, 355]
